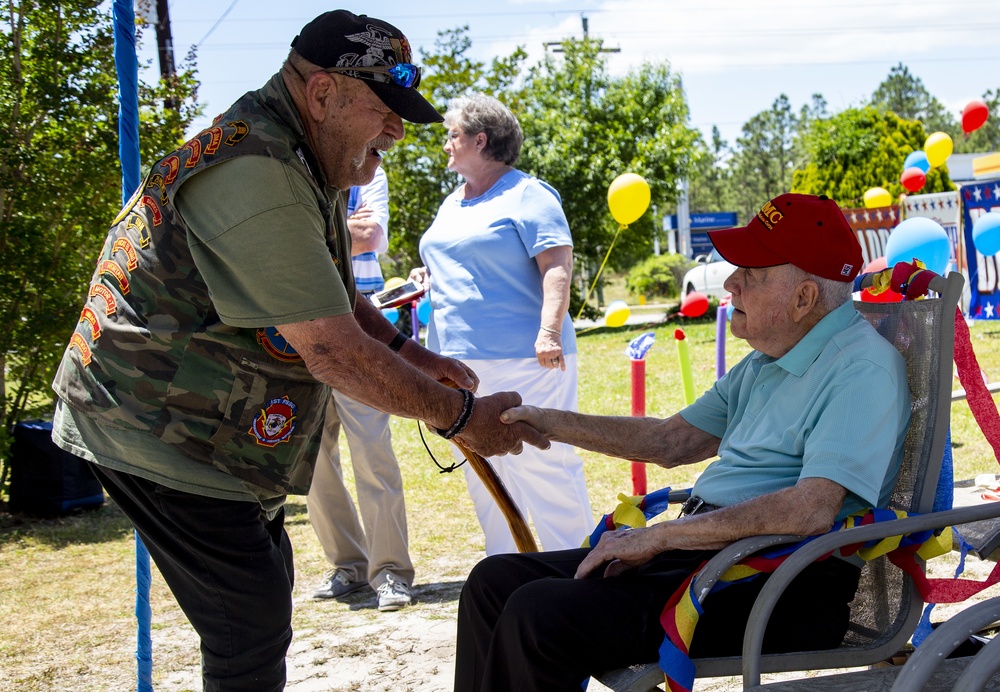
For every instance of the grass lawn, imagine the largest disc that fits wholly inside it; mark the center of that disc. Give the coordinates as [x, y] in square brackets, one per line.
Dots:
[67, 584]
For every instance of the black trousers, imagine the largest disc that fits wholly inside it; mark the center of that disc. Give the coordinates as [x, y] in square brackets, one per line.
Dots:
[230, 570]
[525, 624]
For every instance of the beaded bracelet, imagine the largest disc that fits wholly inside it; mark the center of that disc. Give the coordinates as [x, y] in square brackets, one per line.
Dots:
[397, 342]
[463, 418]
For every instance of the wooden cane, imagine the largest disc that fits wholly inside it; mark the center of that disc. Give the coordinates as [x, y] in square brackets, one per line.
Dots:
[523, 539]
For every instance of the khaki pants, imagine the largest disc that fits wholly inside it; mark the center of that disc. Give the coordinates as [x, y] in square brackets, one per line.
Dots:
[382, 546]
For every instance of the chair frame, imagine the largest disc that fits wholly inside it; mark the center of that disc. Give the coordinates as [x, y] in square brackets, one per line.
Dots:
[751, 664]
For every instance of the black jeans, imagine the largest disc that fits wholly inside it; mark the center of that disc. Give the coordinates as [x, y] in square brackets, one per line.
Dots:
[230, 570]
[525, 624]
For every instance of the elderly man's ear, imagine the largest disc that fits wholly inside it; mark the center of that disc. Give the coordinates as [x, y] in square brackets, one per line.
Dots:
[804, 299]
[320, 89]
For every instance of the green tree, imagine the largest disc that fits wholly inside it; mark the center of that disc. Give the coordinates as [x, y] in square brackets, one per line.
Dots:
[711, 185]
[860, 148]
[60, 181]
[416, 167]
[764, 159]
[905, 95]
[583, 128]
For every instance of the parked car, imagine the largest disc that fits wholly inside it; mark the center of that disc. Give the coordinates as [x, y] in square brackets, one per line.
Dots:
[709, 275]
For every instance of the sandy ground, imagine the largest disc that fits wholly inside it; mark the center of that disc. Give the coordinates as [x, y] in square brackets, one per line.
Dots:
[350, 646]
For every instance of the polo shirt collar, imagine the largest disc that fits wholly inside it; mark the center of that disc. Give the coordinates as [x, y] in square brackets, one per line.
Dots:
[804, 353]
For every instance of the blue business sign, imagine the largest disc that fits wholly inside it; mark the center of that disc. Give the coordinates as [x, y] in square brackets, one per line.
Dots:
[701, 223]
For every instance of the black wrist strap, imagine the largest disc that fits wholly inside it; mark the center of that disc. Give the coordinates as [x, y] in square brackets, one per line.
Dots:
[397, 342]
[468, 405]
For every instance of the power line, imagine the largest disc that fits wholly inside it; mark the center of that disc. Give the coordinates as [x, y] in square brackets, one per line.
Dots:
[793, 4]
[217, 22]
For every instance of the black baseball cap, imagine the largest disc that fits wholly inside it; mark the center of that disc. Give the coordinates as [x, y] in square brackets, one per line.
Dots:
[343, 40]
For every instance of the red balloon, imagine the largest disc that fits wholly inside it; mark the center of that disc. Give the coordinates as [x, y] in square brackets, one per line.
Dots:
[890, 296]
[913, 178]
[974, 115]
[694, 304]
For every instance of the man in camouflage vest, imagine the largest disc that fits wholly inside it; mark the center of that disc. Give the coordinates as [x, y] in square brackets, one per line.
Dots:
[222, 309]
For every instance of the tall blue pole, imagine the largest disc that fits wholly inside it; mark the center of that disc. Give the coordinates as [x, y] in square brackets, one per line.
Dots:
[127, 66]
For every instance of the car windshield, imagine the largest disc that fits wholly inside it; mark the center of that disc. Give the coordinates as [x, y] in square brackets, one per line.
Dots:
[714, 256]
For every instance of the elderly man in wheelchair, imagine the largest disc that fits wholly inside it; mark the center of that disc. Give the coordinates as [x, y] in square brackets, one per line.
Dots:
[797, 450]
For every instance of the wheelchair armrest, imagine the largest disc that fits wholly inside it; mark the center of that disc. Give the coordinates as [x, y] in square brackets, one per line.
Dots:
[809, 553]
[731, 555]
[675, 496]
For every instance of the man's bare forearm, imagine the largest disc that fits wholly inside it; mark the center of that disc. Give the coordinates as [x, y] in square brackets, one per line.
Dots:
[668, 443]
[352, 362]
[806, 509]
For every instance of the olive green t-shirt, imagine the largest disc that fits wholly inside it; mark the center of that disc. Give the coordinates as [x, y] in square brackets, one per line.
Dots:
[264, 257]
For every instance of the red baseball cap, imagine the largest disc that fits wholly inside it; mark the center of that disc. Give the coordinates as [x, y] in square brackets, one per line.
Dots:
[807, 231]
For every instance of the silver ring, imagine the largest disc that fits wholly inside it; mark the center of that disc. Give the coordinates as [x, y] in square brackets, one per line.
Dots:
[556, 359]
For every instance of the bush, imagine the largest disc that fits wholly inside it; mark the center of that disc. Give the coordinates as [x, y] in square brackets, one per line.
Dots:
[659, 275]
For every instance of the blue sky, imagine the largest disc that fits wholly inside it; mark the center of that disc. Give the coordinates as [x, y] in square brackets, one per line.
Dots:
[735, 56]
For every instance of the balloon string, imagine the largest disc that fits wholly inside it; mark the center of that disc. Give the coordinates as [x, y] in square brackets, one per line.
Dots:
[598, 276]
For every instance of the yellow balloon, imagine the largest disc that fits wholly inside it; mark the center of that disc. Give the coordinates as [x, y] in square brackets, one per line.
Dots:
[616, 313]
[628, 198]
[938, 148]
[877, 197]
[394, 282]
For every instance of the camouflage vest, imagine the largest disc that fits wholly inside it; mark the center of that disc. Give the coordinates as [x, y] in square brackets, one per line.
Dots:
[150, 352]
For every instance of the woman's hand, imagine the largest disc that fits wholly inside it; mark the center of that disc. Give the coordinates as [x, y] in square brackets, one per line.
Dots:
[548, 349]
[421, 276]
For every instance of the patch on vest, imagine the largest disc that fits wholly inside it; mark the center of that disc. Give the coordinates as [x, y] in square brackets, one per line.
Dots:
[276, 345]
[275, 423]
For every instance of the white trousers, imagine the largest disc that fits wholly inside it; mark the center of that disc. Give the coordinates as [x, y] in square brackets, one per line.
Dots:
[548, 486]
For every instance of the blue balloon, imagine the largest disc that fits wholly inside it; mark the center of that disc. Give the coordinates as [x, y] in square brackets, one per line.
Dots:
[919, 238]
[391, 314]
[424, 310]
[986, 233]
[917, 159]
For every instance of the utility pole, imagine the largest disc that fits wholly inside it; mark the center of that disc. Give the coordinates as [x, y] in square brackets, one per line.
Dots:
[556, 46]
[165, 47]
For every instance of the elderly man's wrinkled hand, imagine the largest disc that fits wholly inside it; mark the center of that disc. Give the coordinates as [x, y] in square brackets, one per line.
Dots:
[619, 551]
[486, 435]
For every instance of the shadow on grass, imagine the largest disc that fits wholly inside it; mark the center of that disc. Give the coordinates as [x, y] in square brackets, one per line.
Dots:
[84, 527]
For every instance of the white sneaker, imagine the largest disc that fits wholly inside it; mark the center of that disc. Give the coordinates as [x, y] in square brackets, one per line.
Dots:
[393, 594]
[336, 584]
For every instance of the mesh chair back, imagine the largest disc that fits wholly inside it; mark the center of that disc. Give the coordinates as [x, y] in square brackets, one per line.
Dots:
[885, 596]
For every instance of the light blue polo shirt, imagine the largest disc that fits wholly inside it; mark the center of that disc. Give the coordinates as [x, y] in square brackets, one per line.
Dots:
[486, 288]
[837, 406]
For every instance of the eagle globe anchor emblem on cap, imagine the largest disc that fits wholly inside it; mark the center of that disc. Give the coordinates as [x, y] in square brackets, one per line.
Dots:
[275, 423]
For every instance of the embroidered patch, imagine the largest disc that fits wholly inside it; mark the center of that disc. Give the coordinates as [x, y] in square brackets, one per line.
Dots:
[111, 267]
[276, 345]
[81, 345]
[275, 423]
[110, 304]
[90, 317]
[131, 258]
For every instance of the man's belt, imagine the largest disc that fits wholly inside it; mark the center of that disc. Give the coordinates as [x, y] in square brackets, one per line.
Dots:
[695, 505]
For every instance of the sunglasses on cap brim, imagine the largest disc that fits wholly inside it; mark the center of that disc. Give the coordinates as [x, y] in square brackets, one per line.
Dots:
[403, 74]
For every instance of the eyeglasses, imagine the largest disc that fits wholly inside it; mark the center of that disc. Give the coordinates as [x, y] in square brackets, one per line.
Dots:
[402, 73]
